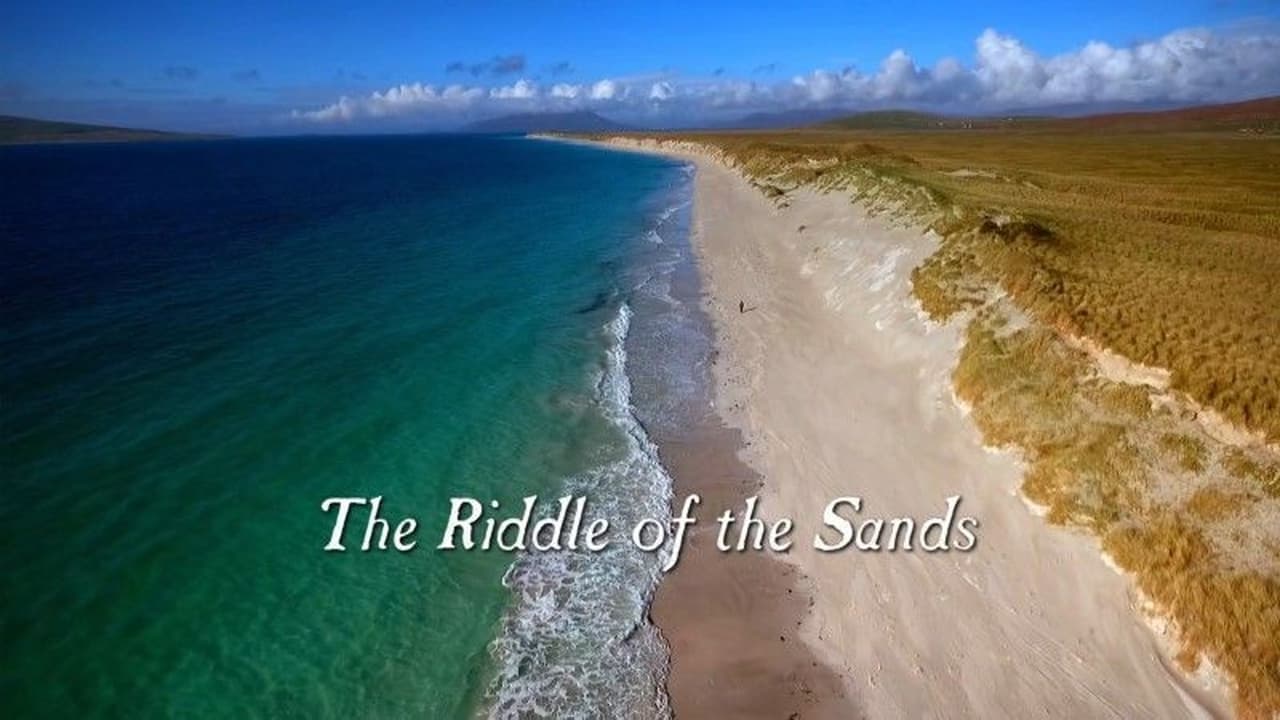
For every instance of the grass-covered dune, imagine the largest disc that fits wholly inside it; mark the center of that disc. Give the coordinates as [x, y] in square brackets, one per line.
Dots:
[1162, 247]
[1121, 294]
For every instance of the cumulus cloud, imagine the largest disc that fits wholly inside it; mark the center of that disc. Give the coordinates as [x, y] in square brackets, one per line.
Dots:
[565, 91]
[661, 91]
[397, 101]
[520, 90]
[1186, 65]
[1193, 65]
[605, 90]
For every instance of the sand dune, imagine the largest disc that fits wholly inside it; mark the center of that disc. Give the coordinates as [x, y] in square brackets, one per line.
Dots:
[840, 387]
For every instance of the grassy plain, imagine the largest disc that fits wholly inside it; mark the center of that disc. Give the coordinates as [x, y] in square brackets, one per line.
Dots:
[1059, 243]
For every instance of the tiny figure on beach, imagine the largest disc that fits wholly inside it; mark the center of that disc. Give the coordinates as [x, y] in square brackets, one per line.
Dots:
[742, 307]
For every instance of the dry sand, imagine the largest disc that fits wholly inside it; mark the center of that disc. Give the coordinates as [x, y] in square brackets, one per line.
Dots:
[840, 387]
[835, 384]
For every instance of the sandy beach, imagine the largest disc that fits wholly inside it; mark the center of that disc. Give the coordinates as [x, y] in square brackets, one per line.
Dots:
[833, 384]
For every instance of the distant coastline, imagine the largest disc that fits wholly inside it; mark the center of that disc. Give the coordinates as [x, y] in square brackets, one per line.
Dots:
[16, 130]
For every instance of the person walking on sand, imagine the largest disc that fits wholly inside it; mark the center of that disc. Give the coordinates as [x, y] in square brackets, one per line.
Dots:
[741, 307]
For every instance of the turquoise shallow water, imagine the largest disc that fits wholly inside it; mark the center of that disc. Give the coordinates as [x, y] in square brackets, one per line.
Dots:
[202, 341]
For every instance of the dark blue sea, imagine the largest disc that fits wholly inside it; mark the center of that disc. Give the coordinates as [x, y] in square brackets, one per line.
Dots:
[201, 341]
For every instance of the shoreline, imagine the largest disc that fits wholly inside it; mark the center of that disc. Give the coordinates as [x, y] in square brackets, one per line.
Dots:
[729, 621]
[733, 621]
[1035, 598]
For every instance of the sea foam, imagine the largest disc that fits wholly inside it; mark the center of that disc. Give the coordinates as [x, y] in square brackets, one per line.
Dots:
[576, 641]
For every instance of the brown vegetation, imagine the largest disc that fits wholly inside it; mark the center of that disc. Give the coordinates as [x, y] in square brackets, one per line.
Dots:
[1162, 247]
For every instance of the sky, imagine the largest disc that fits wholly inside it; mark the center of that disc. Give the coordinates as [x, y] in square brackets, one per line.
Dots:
[266, 67]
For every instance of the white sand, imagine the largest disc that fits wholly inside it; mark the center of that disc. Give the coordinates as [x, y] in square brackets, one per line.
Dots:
[843, 389]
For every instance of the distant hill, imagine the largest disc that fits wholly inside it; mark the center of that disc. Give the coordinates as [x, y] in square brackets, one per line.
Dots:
[1070, 110]
[15, 130]
[890, 119]
[783, 119]
[581, 121]
[915, 120]
[1261, 115]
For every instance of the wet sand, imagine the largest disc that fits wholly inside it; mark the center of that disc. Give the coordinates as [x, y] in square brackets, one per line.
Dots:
[733, 620]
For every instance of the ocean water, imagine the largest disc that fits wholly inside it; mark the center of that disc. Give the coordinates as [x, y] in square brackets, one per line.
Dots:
[202, 341]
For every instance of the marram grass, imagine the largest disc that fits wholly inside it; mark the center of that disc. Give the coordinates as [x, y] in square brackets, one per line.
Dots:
[1162, 247]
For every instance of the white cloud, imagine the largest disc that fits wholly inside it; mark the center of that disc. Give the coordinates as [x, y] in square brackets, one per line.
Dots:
[399, 100]
[345, 109]
[1187, 65]
[661, 91]
[899, 76]
[1007, 71]
[566, 91]
[520, 90]
[604, 90]
[1191, 65]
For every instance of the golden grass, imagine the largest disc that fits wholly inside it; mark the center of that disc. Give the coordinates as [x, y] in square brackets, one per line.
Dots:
[1261, 471]
[1235, 618]
[1190, 452]
[1089, 466]
[1162, 247]
[1211, 503]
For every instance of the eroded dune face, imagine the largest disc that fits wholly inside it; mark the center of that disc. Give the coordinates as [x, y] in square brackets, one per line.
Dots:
[841, 387]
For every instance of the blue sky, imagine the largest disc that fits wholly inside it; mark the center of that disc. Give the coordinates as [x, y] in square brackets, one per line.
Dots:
[273, 67]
